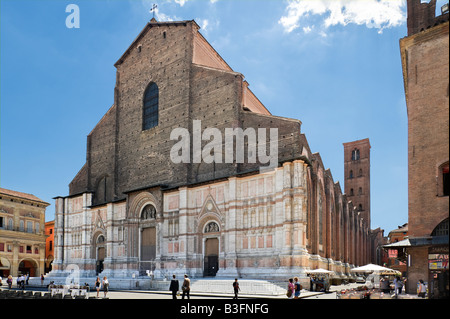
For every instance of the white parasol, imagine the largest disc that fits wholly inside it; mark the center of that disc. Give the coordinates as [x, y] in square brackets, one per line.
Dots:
[377, 269]
[320, 271]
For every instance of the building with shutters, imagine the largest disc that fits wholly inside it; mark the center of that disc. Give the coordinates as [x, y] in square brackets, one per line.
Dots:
[22, 238]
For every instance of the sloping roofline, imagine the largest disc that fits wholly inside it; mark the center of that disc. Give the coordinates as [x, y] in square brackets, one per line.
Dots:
[147, 27]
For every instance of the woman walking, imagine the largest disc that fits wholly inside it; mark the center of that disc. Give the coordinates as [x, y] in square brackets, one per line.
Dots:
[105, 286]
[98, 284]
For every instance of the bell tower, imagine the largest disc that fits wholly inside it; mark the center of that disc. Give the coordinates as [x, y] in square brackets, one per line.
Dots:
[357, 176]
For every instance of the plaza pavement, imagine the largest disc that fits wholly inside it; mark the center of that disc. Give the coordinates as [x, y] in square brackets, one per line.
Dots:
[159, 294]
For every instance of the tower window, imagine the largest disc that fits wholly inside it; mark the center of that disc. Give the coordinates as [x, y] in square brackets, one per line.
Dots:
[150, 109]
[351, 174]
[443, 180]
[355, 154]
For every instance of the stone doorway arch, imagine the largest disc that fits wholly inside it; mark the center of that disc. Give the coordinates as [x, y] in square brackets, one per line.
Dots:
[5, 267]
[99, 251]
[28, 266]
[211, 244]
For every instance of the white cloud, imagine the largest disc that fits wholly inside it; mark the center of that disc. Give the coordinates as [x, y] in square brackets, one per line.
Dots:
[203, 24]
[379, 14]
[307, 29]
[181, 2]
[162, 17]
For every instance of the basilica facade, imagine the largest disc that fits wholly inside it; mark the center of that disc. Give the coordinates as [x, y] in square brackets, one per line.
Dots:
[132, 210]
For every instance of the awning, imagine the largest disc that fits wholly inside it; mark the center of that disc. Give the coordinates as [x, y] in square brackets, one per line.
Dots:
[419, 241]
[400, 244]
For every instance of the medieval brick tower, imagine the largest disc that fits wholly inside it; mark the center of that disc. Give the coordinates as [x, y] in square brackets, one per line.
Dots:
[425, 64]
[357, 176]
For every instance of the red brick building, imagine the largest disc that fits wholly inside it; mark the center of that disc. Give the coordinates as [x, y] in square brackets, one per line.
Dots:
[425, 56]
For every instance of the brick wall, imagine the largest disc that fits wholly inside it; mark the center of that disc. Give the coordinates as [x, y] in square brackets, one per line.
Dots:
[426, 73]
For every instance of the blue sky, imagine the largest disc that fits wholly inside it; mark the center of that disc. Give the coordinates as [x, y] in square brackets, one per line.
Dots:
[335, 68]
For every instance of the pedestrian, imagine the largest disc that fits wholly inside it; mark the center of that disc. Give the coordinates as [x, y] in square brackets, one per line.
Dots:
[105, 286]
[28, 278]
[291, 289]
[298, 288]
[174, 287]
[42, 279]
[397, 286]
[186, 287]
[98, 284]
[384, 285]
[9, 281]
[21, 282]
[236, 288]
[422, 289]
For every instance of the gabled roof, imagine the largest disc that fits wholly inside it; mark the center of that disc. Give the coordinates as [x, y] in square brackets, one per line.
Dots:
[149, 25]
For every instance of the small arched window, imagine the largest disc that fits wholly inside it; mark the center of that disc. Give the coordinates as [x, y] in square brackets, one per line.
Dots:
[441, 229]
[100, 239]
[360, 191]
[150, 107]
[351, 192]
[355, 154]
[351, 174]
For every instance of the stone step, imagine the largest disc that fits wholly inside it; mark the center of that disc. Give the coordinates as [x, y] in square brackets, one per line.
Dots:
[201, 285]
[247, 286]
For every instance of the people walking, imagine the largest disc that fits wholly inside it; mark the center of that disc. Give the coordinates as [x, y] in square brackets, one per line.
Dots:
[42, 279]
[298, 288]
[236, 288]
[98, 284]
[174, 287]
[384, 285]
[9, 281]
[186, 287]
[397, 285]
[21, 282]
[291, 289]
[105, 286]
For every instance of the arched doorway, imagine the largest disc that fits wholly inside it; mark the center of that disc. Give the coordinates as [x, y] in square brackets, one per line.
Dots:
[438, 262]
[5, 267]
[100, 252]
[28, 266]
[148, 239]
[211, 249]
